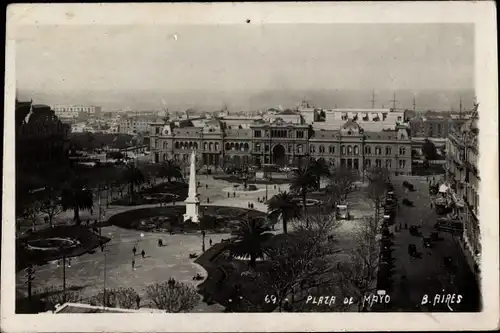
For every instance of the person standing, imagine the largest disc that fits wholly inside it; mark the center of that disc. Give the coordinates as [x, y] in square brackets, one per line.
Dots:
[210, 241]
[134, 250]
[138, 301]
[143, 254]
[133, 264]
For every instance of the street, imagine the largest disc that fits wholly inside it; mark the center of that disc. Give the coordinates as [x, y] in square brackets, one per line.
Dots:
[427, 275]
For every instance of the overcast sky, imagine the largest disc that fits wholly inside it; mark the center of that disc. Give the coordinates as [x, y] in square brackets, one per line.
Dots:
[246, 57]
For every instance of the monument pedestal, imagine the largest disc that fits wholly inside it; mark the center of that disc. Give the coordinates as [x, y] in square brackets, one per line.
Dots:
[192, 210]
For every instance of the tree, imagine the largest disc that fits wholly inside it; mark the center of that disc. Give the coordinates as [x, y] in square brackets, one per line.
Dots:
[283, 205]
[134, 177]
[358, 275]
[170, 169]
[341, 181]
[77, 196]
[30, 213]
[378, 180]
[429, 151]
[302, 182]
[301, 262]
[51, 205]
[319, 169]
[173, 296]
[250, 239]
[125, 298]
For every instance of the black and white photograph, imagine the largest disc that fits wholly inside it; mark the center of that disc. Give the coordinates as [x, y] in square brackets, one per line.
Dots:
[240, 163]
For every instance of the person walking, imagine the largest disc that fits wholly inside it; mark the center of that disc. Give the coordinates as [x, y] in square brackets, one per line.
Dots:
[133, 264]
[210, 241]
[143, 254]
[134, 250]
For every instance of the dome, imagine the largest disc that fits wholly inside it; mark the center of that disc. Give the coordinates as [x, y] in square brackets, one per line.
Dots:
[350, 125]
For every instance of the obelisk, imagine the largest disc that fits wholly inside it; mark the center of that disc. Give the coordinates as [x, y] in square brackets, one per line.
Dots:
[192, 201]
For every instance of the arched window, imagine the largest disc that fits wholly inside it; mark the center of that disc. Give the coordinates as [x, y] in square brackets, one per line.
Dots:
[312, 149]
[388, 150]
[205, 146]
[378, 163]
[368, 150]
[402, 151]
[246, 147]
[331, 149]
[349, 150]
[356, 150]
[216, 145]
[388, 164]
[322, 149]
[342, 150]
[228, 146]
[378, 150]
[195, 145]
[242, 147]
[232, 146]
[368, 163]
[177, 145]
[299, 148]
[210, 146]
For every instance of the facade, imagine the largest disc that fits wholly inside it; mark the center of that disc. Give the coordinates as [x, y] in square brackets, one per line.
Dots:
[463, 176]
[73, 111]
[434, 127]
[41, 137]
[277, 141]
[134, 125]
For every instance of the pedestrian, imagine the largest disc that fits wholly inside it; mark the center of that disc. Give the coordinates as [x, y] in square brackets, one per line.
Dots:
[228, 194]
[133, 264]
[143, 254]
[208, 200]
[138, 301]
[234, 194]
[160, 242]
[206, 186]
[69, 262]
[210, 241]
[134, 250]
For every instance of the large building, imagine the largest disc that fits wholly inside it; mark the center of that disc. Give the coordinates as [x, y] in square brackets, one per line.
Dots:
[74, 111]
[136, 124]
[433, 127]
[273, 140]
[463, 176]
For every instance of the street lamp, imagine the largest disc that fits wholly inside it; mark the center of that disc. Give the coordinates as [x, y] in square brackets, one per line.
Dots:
[63, 250]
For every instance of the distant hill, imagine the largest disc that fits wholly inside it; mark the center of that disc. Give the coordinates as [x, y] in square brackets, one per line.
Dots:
[210, 100]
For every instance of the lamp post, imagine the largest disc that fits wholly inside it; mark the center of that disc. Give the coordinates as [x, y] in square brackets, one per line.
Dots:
[63, 250]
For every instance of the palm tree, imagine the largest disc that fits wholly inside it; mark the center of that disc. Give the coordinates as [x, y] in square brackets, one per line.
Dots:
[134, 177]
[250, 238]
[284, 205]
[319, 168]
[170, 169]
[76, 197]
[302, 182]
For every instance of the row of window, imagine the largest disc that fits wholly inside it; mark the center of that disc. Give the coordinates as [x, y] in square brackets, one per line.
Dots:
[344, 150]
[278, 133]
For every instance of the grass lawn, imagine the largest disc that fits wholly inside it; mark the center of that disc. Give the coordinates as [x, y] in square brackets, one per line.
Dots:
[161, 193]
[217, 219]
[86, 241]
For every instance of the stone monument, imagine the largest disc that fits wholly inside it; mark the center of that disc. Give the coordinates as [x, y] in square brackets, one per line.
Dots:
[192, 201]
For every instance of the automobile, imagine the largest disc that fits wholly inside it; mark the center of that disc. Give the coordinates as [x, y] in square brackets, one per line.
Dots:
[427, 242]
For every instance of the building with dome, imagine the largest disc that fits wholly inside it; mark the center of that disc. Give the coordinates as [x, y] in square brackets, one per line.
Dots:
[462, 173]
[284, 138]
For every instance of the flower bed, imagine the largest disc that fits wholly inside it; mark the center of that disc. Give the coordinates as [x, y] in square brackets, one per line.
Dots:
[81, 238]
